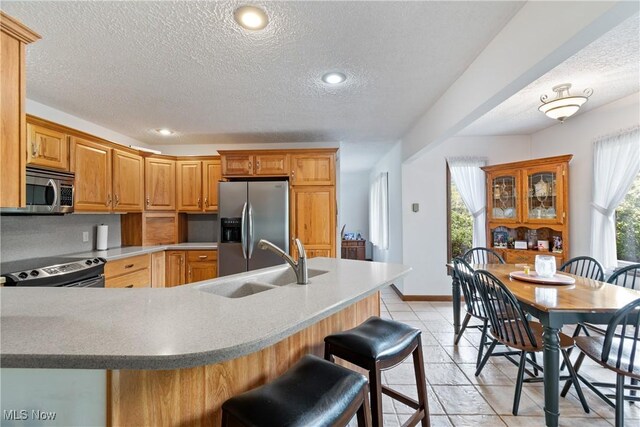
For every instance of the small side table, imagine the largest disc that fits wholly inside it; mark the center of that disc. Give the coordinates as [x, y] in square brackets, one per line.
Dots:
[354, 249]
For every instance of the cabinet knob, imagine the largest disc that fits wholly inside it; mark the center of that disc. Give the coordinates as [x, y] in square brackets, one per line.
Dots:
[148, 201]
[199, 203]
[258, 164]
[117, 200]
[34, 150]
[206, 202]
[108, 203]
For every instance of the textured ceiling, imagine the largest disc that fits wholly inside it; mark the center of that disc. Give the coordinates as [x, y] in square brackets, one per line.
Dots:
[136, 66]
[609, 65]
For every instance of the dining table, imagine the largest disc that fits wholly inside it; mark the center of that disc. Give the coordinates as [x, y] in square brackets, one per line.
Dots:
[554, 306]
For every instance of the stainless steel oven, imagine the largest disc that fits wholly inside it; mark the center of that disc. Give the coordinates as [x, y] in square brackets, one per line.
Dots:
[48, 192]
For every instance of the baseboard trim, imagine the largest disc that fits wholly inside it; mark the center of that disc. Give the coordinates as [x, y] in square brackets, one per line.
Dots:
[404, 297]
[410, 298]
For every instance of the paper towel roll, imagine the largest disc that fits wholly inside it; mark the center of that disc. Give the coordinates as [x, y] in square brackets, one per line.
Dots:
[102, 237]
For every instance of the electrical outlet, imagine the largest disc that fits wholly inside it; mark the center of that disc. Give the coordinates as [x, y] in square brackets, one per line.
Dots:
[85, 236]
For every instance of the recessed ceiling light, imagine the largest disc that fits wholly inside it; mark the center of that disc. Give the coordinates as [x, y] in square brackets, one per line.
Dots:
[165, 132]
[251, 18]
[334, 78]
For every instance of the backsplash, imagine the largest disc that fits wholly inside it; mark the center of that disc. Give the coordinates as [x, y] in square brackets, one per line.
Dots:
[202, 228]
[31, 236]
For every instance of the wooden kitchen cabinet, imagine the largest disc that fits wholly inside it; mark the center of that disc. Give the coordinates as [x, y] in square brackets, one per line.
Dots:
[201, 265]
[197, 185]
[175, 264]
[14, 36]
[212, 174]
[189, 185]
[184, 267]
[131, 272]
[47, 147]
[91, 163]
[313, 169]
[313, 211]
[128, 182]
[237, 164]
[271, 164]
[160, 184]
[254, 163]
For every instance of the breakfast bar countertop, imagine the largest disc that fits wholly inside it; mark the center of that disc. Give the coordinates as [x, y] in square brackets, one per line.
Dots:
[171, 328]
[127, 251]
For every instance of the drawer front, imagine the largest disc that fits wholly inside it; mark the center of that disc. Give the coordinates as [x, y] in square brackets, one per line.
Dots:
[195, 256]
[126, 265]
[137, 279]
[514, 257]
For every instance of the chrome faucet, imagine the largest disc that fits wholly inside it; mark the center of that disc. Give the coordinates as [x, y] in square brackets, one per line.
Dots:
[300, 267]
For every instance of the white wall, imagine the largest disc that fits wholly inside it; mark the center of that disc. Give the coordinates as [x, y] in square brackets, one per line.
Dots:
[354, 204]
[391, 163]
[424, 182]
[576, 137]
[48, 113]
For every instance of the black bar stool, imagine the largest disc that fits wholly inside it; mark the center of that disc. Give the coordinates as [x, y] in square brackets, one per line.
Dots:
[377, 345]
[313, 392]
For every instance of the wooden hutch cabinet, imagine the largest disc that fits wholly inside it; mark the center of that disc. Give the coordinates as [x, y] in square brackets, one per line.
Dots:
[528, 201]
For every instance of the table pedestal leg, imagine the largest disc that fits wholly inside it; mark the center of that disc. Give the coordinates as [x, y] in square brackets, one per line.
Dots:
[551, 356]
[455, 293]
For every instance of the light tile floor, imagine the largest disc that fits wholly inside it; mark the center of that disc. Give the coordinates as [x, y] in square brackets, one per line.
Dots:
[458, 398]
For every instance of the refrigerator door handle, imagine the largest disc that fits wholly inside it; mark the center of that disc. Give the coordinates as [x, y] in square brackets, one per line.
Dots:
[243, 231]
[250, 234]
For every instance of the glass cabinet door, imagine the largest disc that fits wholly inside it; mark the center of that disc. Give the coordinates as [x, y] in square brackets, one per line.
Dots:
[503, 200]
[543, 197]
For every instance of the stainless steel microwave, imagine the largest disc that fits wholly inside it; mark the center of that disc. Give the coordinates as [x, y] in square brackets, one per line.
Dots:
[48, 192]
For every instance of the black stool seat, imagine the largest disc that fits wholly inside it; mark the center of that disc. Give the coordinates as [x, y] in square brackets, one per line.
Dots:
[380, 344]
[313, 392]
[376, 338]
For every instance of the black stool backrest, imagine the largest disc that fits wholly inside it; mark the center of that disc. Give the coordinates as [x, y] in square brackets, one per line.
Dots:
[507, 321]
[623, 333]
[584, 266]
[482, 256]
[472, 298]
[628, 277]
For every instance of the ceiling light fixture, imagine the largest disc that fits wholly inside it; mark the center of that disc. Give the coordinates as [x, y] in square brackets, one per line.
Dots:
[165, 132]
[251, 18]
[564, 105]
[334, 78]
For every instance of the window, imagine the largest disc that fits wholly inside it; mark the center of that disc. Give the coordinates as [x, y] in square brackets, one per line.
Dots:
[460, 221]
[628, 225]
[379, 211]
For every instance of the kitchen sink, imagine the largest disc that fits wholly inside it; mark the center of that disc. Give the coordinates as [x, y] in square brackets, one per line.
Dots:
[236, 289]
[285, 277]
[240, 287]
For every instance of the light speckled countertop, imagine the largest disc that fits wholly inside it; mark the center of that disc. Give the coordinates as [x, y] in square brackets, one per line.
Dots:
[144, 328]
[127, 251]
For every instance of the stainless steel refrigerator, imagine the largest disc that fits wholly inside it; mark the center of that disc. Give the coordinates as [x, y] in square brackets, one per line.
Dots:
[249, 211]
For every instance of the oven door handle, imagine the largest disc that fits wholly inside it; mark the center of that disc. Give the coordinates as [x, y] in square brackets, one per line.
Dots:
[53, 185]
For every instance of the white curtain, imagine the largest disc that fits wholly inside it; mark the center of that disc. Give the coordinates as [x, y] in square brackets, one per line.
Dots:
[470, 180]
[616, 163]
[379, 211]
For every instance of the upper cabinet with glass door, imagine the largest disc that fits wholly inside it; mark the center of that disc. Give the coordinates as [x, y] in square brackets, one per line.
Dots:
[544, 189]
[503, 190]
[531, 193]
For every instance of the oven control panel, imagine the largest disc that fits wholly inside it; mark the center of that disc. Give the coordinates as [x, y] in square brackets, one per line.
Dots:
[54, 275]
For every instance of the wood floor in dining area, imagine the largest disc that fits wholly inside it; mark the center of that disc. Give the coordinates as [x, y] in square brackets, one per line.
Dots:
[458, 398]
